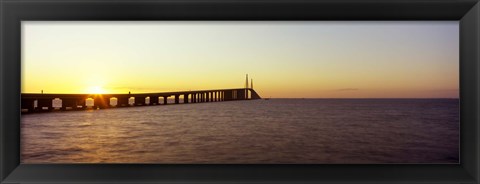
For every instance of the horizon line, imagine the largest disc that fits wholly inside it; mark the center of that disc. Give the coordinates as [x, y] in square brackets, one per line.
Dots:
[364, 98]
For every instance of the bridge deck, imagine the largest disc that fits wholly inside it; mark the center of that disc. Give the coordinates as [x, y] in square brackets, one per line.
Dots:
[37, 102]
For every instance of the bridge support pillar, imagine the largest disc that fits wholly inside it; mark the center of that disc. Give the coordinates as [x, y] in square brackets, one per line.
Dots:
[100, 102]
[80, 102]
[45, 104]
[122, 101]
[165, 100]
[140, 100]
[177, 99]
[69, 104]
[154, 100]
[28, 104]
[241, 94]
[228, 95]
[185, 98]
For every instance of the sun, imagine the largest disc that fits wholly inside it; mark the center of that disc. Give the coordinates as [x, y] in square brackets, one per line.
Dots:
[95, 90]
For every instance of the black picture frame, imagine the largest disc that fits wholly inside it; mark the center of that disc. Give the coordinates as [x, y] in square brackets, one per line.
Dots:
[12, 12]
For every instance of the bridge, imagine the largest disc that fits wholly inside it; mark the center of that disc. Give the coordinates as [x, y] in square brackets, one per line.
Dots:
[38, 102]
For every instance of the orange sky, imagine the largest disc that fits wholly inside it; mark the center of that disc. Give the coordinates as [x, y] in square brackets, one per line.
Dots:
[285, 59]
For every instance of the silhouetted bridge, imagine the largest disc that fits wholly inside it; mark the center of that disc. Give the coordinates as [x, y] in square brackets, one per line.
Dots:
[36, 102]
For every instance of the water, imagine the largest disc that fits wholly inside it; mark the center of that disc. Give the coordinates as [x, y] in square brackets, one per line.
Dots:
[257, 131]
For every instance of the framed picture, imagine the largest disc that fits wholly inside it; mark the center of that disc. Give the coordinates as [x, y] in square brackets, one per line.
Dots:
[162, 91]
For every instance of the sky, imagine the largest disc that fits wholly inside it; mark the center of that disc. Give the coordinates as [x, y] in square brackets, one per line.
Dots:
[295, 59]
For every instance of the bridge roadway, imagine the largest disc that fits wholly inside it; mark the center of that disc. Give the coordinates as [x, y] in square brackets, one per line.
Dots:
[37, 102]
